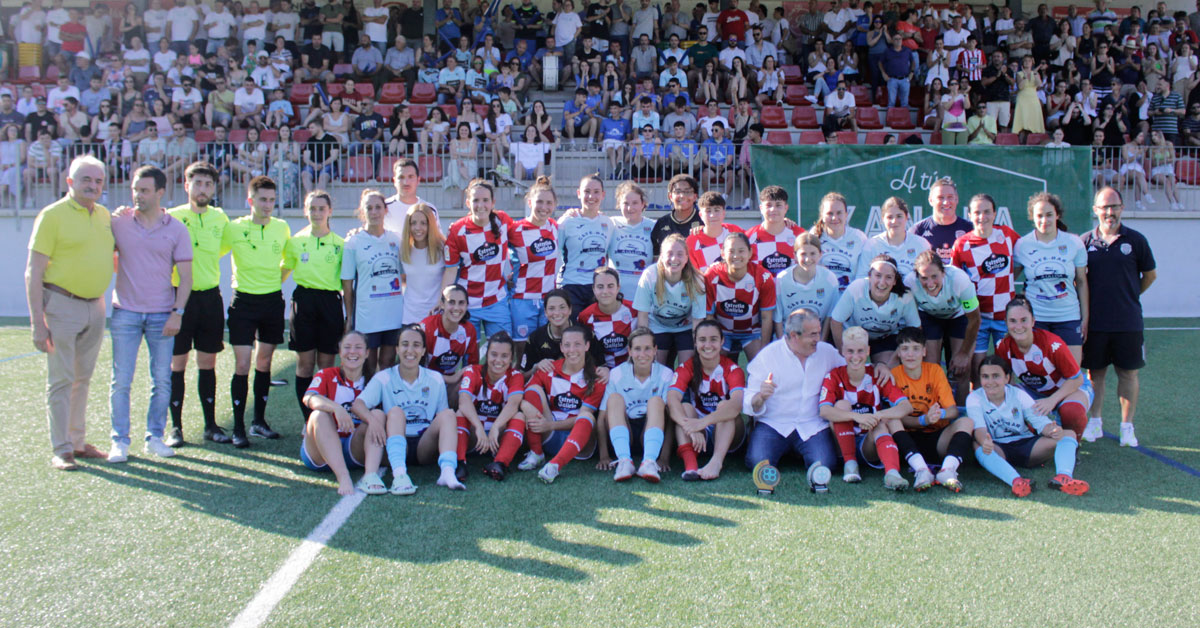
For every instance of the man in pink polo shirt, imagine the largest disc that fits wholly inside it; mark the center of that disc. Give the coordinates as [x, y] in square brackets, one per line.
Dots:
[150, 242]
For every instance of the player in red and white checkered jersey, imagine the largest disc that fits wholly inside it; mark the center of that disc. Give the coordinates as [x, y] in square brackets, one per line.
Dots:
[535, 241]
[741, 297]
[334, 438]
[704, 246]
[560, 406]
[610, 320]
[489, 408]
[705, 401]
[477, 259]
[773, 241]
[450, 340]
[865, 417]
[986, 254]
[1042, 362]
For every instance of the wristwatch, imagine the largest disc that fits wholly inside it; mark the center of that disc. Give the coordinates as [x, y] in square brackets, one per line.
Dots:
[178, 311]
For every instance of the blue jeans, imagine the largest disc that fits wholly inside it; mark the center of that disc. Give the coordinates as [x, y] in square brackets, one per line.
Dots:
[767, 444]
[897, 87]
[213, 44]
[127, 330]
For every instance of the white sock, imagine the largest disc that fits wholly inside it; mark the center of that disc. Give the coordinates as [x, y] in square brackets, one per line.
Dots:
[1127, 427]
[917, 462]
[950, 463]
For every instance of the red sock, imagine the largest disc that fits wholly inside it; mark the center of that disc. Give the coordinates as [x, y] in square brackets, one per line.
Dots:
[464, 434]
[510, 441]
[688, 454]
[889, 454]
[844, 432]
[534, 440]
[580, 434]
[1074, 417]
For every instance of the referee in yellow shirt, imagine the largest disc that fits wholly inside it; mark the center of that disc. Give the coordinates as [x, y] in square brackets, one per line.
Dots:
[256, 243]
[314, 257]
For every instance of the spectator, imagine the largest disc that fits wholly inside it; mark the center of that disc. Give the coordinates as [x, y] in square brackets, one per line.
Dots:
[279, 111]
[528, 20]
[404, 134]
[27, 104]
[1190, 126]
[183, 25]
[400, 63]
[1028, 118]
[839, 109]
[981, 127]
[333, 17]
[187, 103]
[43, 162]
[645, 22]
[464, 158]
[539, 119]
[219, 110]
[681, 153]
[643, 60]
[567, 29]
[164, 59]
[164, 120]
[1183, 70]
[316, 61]
[73, 124]
[58, 94]
[252, 26]
[1166, 109]
[448, 22]
[251, 157]
[896, 69]
[40, 118]
[310, 21]
[321, 152]
[954, 106]
[154, 21]
[8, 112]
[434, 133]
[284, 168]
[367, 130]
[152, 151]
[718, 155]
[367, 59]
[477, 81]
[997, 84]
[91, 97]
[12, 160]
[529, 155]
[451, 82]
[497, 127]
[181, 151]
[219, 153]
[248, 103]
[337, 121]
[217, 24]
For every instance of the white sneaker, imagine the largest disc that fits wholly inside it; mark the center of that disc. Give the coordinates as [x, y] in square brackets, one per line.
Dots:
[531, 461]
[548, 473]
[1128, 439]
[923, 479]
[448, 480]
[624, 470]
[850, 474]
[156, 446]
[402, 485]
[1094, 430]
[1150, 200]
[1139, 204]
[810, 98]
[118, 453]
[892, 480]
[648, 471]
[949, 479]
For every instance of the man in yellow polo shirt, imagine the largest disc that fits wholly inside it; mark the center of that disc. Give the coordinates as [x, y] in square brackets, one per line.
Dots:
[256, 243]
[203, 325]
[314, 256]
[69, 268]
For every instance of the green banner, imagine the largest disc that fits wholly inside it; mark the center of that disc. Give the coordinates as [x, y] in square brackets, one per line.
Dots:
[867, 175]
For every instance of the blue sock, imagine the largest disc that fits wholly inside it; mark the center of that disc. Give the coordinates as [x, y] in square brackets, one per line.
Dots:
[997, 466]
[447, 459]
[652, 441]
[397, 453]
[620, 441]
[1064, 456]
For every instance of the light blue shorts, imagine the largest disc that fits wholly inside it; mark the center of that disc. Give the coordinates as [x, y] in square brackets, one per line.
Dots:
[527, 315]
[351, 462]
[491, 319]
[991, 332]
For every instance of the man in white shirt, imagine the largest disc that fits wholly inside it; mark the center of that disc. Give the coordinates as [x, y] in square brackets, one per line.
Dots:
[253, 26]
[725, 58]
[265, 74]
[645, 22]
[284, 22]
[217, 23]
[955, 38]
[165, 57]
[156, 24]
[840, 23]
[59, 93]
[839, 109]
[248, 105]
[957, 8]
[375, 19]
[183, 23]
[711, 18]
[53, 19]
[783, 386]
[187, 103]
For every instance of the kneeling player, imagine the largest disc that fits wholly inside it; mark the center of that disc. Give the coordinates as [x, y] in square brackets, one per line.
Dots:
[934, 425]
[712, 415]
[854, 404]
[489, 404]
[1000, 413]
[405, 410]
[635, 404]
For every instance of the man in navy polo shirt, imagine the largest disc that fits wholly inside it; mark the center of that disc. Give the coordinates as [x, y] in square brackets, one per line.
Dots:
[1120, 269]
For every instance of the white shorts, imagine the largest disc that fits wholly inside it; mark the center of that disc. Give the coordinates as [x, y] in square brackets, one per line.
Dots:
[1165, 170]
[1132, 167]
[613, 144]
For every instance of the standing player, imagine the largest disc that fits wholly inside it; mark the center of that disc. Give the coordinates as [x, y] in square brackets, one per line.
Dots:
[670, 300]
[704, 246]
[948, 307]
[257, 243]
[372, 276]
[423, 255]
[609, 319]
[334, 438]
[741, 297]
[1055, 265]
[314, 257]
[631, 249]
[489, 409]
[681, 192]
[773, 241]
[535, 241]
[841, 244]
[406, 177]
[945, 226]
[711, 418]
[895, 240]
[584, 240]
[477, 257]
[807, 285]
[986, 255]
[202, 327]
[879, 303]
[634, 411]
[450, 340]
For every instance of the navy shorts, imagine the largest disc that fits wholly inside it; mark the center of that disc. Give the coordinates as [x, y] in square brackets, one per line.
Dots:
[1070, 331]
[376, 339]
[938, 328]
[885, 343]
[1123, 349]
[1017, 452]
[675, 341]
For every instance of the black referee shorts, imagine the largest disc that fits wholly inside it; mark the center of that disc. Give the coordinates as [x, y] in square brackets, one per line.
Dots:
[203, 325]
[256, 316]
[317, 320]
[1122, 349]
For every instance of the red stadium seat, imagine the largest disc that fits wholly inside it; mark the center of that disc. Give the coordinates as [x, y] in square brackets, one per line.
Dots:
[935, 138]
[881, 100]
[335, 90]
[237, 136]
[779, 138]
[359, 169]
[1187, 171]
[419, 114]
[28, 74]
[875, 138]
[481, 111]
[1037, 139]
[792, 75]
[916, 96]
[647, 180]
[849, 138]
[385, 168]
[392, 93]
[794, 95]
[385, 111]
[431, 168]
[269, 135]
[301, 93]
[1007, 139]
[366, 90]
[862, 95]
[805, 118]
[811, 137]
[451, 112]
[205, 135]
[867, 118]
[772, 117]
[51, 73]
[301, 135]
[424, 94]
[899, 118]
[342, 69]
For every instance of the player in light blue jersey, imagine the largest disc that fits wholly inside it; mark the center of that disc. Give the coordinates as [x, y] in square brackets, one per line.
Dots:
[671, 301]
[634, 410]
[841, 244]
[372, 280]
[584, 237]
[879, 303]
[630, 249]
[946, 301]
[807, 285]
[405, 409]
[1055, 265]
[1004, 415]
[895, 240]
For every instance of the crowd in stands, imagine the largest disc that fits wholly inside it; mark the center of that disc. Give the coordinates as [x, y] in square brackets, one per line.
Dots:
[295, 91]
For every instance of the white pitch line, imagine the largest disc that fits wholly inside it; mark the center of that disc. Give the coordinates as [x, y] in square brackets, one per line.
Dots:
[284, 578]
[1172, 328]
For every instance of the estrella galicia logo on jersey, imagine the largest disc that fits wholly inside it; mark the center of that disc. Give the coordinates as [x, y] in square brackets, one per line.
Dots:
[734, 308]
[994, 263]
[567, 402]
[613, 342]
[776, 262]
[709, 401]
[1032, 381]
[487, 408]
[486, 252]
[542, 247]
[861, 408]
[445, 363]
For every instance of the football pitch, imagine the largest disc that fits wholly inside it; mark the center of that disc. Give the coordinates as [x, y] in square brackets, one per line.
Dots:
[194, 540]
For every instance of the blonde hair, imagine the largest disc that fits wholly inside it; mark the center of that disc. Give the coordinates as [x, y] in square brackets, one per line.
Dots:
[806, 238]
[692, 282]
[855, 335]
[433, 242]
[360, 212]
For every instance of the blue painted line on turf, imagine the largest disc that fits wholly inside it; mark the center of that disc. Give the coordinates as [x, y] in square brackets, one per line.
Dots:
[18, 357]
[1159, 457]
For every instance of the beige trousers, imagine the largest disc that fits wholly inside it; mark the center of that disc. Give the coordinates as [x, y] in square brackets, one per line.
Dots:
[77, 330]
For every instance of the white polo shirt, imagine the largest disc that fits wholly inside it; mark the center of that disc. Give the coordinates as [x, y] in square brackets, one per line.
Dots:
[793, 406]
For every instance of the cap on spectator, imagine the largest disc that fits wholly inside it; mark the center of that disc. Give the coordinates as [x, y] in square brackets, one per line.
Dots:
[263, 53]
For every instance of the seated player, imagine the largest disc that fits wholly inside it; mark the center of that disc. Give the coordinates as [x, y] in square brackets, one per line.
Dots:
[333, 437]
[634, 410]
[489, 404]
[863, 423]
[1003, 415]
[451, 340]
[710, 417]
[934, 425]
[560, 407]
[610, 319]
[1043, 364]
[405, 410]
[741, 297]
[881, 304]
